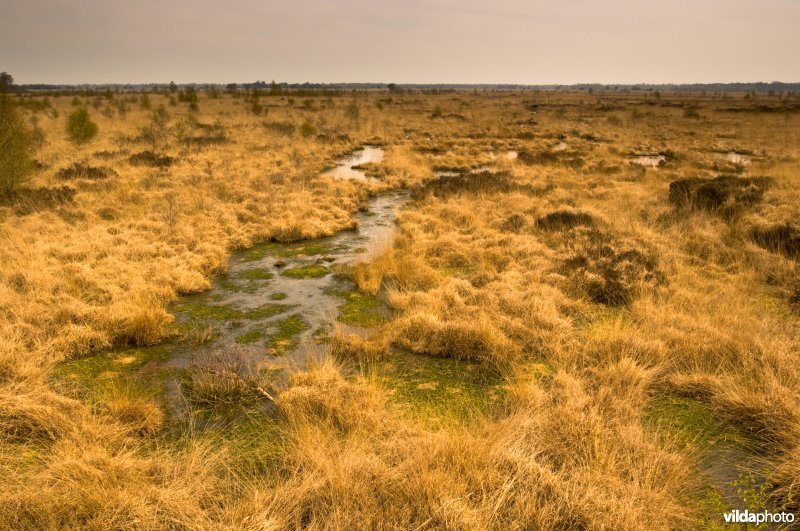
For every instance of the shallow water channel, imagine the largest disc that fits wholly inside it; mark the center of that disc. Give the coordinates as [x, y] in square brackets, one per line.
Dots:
[649, 161]
[349, 168]
[278, 298]
[276, 304]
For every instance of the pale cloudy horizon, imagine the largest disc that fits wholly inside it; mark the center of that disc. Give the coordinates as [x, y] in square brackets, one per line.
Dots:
[418, 41]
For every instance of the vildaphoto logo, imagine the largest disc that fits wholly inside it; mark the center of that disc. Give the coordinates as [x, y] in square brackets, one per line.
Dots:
[746, 517]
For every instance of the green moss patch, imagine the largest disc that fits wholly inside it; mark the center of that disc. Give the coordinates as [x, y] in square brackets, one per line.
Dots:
[359, 309]
[199, 311]
[308, 271]
[285, 337]
[441, 392]
[309, 249]
[689, 422]
[277, 296]
[254, 441]
[93, 375]
[260, 251]
[291, 250]
[248, 281]
[721, 449]
[258, 273]
[251, 336]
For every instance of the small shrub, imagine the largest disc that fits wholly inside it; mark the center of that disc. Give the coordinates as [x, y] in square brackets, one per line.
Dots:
[149, 158]
[307, 129]
[16, 145]
[225, 378]
[784, 239]
[144, 102]
[81, 170]
[563, 220]
[550, 157]
[155, 133]
[353, 111]
[281, 128]
[467, 183]
[724, 195]
[609, 272]
[691, 112]
[80, 127]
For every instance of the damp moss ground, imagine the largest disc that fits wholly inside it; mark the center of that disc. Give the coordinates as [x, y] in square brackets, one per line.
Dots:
[359, 309]
[248, 281]
[441, 392]
[92, 376]
[285, 337]
[255, 442]
[251, 336]
[199, 310]
[691, 424]
[279, 250]
[307, 271]
[258, 273]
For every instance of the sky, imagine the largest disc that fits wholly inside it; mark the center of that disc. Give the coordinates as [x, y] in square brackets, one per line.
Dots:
[406, 41]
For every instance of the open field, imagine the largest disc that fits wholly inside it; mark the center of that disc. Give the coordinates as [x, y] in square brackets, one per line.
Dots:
[563, 310]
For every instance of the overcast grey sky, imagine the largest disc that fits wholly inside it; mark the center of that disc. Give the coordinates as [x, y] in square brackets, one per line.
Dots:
[422, 41]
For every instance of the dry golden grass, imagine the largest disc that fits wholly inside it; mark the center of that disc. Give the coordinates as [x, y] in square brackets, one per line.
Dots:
[568, 274]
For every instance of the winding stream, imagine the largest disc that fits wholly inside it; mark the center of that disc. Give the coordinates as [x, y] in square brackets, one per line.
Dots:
[277, 304]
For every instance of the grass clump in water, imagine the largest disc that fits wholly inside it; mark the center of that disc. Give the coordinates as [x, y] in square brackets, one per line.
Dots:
[308, 271]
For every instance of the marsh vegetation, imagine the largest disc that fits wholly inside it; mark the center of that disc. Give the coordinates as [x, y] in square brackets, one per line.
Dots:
[262, 310]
